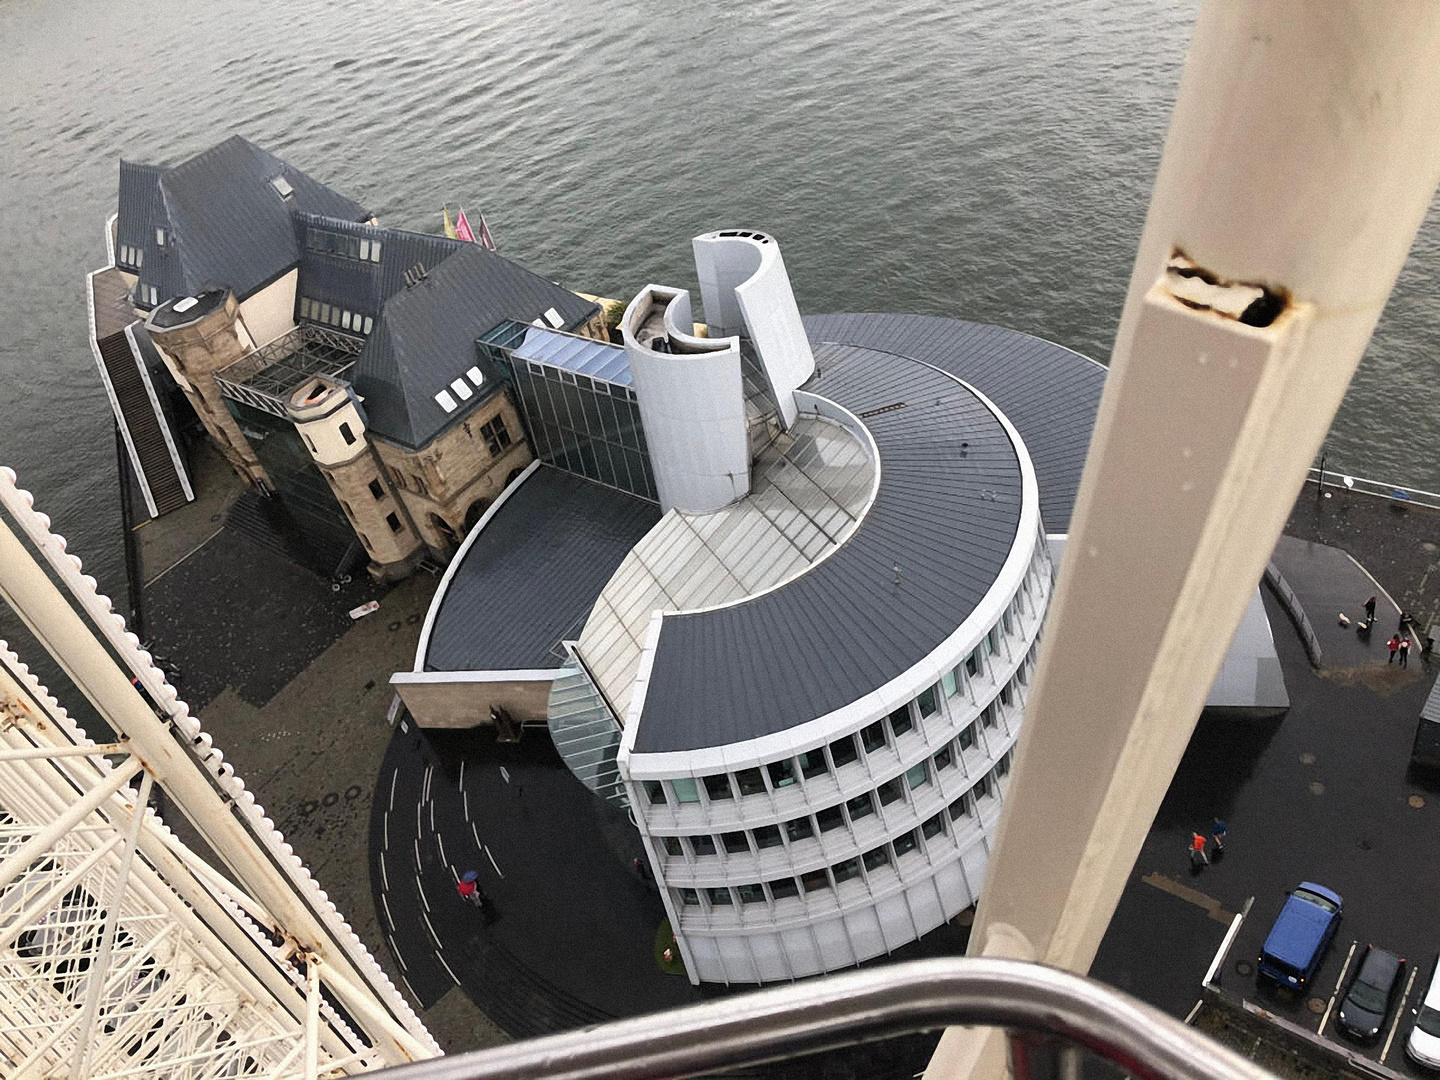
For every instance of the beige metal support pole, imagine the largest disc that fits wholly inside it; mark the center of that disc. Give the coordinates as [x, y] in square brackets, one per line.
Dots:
[1301, 160]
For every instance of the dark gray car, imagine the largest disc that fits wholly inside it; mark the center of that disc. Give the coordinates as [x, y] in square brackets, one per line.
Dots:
[1371, 995]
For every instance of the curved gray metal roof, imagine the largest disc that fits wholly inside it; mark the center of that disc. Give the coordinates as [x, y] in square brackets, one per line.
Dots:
[946, 516]
[844, 629]
[1050, 393]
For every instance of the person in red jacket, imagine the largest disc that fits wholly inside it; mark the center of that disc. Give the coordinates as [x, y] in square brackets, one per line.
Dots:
[1198, 858]
[1394, 646]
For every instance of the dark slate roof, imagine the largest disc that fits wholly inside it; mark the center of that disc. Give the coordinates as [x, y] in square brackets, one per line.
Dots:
[365, 286]
[947, 519]
[533, 573]
[424, 337]
[227, 225]
[1050, 393]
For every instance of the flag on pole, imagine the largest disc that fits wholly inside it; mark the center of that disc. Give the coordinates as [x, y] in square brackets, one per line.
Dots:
[449, 225]
[462, 227]
[485, 238]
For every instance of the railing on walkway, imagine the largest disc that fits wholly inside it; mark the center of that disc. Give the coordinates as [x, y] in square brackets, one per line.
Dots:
[1331, 478]
[1296, 610]
[266, 377]
[1050, 1015]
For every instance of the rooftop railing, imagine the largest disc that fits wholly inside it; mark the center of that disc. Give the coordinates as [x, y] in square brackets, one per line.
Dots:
[1052, 1018]
[264, 378]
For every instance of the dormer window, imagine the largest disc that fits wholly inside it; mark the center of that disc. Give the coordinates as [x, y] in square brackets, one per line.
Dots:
[159, 237]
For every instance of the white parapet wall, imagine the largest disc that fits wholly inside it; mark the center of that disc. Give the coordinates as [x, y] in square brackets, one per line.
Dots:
[692, 403]
[746, 289]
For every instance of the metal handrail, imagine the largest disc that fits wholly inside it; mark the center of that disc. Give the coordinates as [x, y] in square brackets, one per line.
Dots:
[858, 1007]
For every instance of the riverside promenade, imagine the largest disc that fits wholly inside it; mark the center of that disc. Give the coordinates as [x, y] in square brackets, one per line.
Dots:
[296, 694]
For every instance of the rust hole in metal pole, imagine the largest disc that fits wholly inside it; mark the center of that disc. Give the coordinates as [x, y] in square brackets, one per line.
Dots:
[1250, 302]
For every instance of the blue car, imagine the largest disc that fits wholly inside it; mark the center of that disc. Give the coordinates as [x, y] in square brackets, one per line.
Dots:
[1297, 942]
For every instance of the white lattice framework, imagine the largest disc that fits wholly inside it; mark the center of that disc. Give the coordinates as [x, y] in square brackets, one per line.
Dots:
[123, 953]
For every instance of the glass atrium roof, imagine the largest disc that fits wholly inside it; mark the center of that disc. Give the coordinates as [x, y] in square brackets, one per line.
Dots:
[594, 359]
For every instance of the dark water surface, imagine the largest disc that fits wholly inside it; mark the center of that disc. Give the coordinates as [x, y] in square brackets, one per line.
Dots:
[989, 159]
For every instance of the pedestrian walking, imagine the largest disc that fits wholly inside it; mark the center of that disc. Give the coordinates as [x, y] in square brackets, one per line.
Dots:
[1405, 652]
[1369, 612]
[1394, 646]
[468, 890]
[1218, 832]
[642, 871]
[1198, 858]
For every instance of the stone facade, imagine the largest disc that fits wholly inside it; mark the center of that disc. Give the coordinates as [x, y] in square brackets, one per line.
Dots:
[199, 349]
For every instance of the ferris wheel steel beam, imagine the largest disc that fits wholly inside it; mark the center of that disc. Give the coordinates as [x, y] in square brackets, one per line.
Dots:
[201, 914]
[1300, 162]
[261, 862]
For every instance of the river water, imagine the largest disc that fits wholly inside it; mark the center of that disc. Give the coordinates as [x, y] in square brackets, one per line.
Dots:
[988, 159]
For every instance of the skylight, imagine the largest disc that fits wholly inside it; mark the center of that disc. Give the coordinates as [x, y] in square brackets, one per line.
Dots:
[282, 185]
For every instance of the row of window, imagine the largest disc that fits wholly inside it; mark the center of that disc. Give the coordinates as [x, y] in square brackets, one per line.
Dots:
[148, 294]
[360, 248]
[841, 815]
[335, 315]
[130, 255]
[846, 750]
[829, 878]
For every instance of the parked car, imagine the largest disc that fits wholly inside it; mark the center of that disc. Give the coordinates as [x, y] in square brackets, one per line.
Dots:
[1424, 1042]
[1296, 944]
[1372, 994]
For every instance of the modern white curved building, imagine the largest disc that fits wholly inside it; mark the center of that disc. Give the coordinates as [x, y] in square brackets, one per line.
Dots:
[796, 638]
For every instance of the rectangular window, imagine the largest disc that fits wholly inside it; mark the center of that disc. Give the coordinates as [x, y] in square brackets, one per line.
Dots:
[702, 845]
[784, 888]
[933, 827]
[393, 522]
[689, 897]
[987, 715]
[324, 312]
[767, 836]
[735, 843]
[1002, 767]
[750, 782]
[889, 791]
[379, 493]
[684, 789]
[1007, 621]
[375, 251]
[782, 773]
[304, 307]
[655, 792]
[718, 787]
[846, 870]
[799, 829]
[993, 639]
[917, 776]
[495, 435]
[812, 763]
[906, 843]
[928, 701]
[967, 738]
[1007, 695]
[944, 758]
[159, 237]
[719, 897]
[369, 322]
[862, 806]
[347, 434]
[364, 250]
[873, 737]
[672, 846]
[815, 880]
[950, 682]
[985, 788]
[960, 808]
[842, 751]
[900, 721]
[972, 664]
[830, 818]
[877, 857]
[751, 894]
[345, 319]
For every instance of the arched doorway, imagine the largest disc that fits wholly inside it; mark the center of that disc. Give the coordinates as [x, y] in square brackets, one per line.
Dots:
[447, 534]
[475, 513]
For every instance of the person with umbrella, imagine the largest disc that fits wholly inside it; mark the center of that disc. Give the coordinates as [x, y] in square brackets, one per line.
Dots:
[469, 891]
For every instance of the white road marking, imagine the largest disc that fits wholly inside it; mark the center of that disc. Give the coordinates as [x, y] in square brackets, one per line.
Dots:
[432, 815]
[384, 876]
[419, 812]
[440, 840]
[429, 771]
[1336, 992]
[393, 777]
[494, 863]
[390, 918]
[447, 968]
[462, 774]
[421, 890]
[398, 958]
[418, 864]
[1409, 985]
[465, 798]
[504, 774]
[385, 833]
[413, 994]
[428, 926]
[479, 846]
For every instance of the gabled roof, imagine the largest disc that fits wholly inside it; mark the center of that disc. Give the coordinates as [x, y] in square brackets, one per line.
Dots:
[424, 337]
[226, 223]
